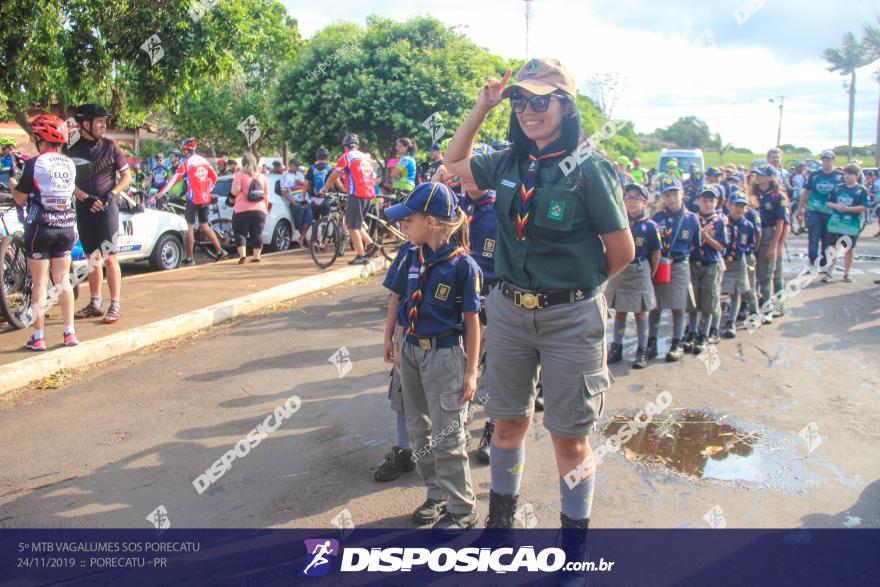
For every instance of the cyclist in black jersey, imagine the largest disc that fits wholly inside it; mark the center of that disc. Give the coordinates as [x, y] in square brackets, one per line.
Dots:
[98, 160]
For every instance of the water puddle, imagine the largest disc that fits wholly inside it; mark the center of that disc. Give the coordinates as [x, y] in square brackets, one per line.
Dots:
[700, 445]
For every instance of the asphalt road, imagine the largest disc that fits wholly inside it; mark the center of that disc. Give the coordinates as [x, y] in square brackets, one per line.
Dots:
[110, 446]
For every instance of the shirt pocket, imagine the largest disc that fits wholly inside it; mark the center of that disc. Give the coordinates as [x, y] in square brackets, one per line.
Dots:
[555, 212]
[506, 194]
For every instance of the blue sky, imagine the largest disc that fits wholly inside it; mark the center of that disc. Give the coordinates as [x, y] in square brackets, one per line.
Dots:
[721, 61]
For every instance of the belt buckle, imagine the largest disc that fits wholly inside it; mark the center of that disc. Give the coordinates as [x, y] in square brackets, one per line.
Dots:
[529, 301]
[425, 344]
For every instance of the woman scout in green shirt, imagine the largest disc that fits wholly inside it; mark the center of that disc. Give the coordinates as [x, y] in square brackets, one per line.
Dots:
[562, 233]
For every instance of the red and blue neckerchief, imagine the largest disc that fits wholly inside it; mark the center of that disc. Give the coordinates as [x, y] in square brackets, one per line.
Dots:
[485, 201]
[527, 189]
[445, 253]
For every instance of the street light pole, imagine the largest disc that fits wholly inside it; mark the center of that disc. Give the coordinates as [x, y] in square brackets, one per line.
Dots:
[779, 129]
[528, 20]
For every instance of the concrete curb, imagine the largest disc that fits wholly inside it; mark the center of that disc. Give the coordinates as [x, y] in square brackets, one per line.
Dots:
[22, 373]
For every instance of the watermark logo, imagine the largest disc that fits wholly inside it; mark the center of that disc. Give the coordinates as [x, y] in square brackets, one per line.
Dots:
[526, 516]
[198, 8]
[72, 131]
[706, 40]
[324, 66]
[710, 357]
[810, 435]
[342, 359]
[153, 48]
[434, 124]
[344, 521]
[159, 518]
[270, 424]
[586, 149]
[320, 552]
[250, 129]
[715, 518]
[747, 10]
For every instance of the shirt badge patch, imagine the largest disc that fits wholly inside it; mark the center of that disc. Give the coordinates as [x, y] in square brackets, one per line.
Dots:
[640, 240]
[745, 239]
[556, 210]
[685, 234]
[488, 247]
[442, 292]
[508, 183]
[769, 205]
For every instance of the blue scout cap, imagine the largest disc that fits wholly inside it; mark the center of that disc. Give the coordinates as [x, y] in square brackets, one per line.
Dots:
[435, 147]
[713, 172]
[638, 187]
[430, 197]
[738, 198]
[697, 176]
[669, 183]
[764, 170]
[709, 190]
[827, 155]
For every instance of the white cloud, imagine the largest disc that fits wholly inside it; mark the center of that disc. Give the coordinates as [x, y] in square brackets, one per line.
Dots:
[669, 74]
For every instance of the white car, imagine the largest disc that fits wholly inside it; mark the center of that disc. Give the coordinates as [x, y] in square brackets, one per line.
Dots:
[279, 232]
[143, 234]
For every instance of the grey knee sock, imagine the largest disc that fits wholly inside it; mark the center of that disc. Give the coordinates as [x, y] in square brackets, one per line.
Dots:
[642, 331]
[402, 436]
[653, 324]
[506, 467]
[677, 325]
[705, 324]
[577, 502]
[693, 320]
[619, 326]
[734, 308]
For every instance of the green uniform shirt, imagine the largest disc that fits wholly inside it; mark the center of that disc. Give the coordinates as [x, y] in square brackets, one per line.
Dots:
[561, 249]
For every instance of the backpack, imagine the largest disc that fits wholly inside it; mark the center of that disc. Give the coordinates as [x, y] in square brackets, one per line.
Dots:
[255, 191]
[319, 177]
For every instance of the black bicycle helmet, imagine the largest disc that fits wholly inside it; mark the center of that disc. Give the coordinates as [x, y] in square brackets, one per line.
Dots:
[322, 153]
[89, 112]
[351, 140]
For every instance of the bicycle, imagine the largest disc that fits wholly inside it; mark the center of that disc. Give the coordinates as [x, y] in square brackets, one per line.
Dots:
[222, 227]
[328, 237]
[386, 235]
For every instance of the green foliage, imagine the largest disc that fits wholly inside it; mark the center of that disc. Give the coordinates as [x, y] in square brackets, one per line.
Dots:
[688, 132]
[381, 83]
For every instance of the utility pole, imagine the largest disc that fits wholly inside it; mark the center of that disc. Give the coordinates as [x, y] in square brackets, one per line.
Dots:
[779, 129]
[528, 21]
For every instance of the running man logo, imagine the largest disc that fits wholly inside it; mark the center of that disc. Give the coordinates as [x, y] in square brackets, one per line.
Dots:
[317, 563]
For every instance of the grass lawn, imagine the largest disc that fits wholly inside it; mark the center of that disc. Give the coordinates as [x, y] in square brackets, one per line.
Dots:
[711, 158]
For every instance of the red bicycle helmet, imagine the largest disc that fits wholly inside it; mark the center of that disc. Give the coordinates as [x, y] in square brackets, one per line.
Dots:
[188, 143]
[50, 128]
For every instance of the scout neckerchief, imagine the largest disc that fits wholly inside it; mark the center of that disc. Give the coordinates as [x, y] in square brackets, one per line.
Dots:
[527, 189]
[484, 201]
[734, 243]
[446, 252]
[704, 222]
[666, 245]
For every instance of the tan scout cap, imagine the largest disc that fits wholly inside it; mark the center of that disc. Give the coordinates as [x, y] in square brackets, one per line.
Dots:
[543, 76]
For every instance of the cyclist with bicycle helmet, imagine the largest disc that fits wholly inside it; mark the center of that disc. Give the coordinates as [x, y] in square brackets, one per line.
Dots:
[200, 179]
[404, 173]
[359, 178]
[46, 189]
[316, 179]
[6, 161]
[98, 160]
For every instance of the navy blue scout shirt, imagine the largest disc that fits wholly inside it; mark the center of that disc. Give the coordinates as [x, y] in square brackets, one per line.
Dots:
[646, 235]
[742, 238]
[452, 287]
[483, 226]
[392, 275]
[752, 216]
[688, 236]
[705, 253]
[773, 208]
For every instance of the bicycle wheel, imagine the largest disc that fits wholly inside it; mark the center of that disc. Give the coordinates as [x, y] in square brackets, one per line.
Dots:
[385, 240]
[15, 293]
[223, 229]
[325, 241]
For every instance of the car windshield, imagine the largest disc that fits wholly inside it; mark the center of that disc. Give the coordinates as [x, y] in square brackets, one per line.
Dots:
[222, 188]
[684, 163]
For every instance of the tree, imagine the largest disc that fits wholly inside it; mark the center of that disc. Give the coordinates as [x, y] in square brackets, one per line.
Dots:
[688, 132]
[64, 52]
[212, 112]
[871, 41]
[605, 89]
[381, 83]
[845, 60]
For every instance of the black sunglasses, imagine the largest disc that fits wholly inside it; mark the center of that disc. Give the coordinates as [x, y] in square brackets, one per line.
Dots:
[538, 103]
